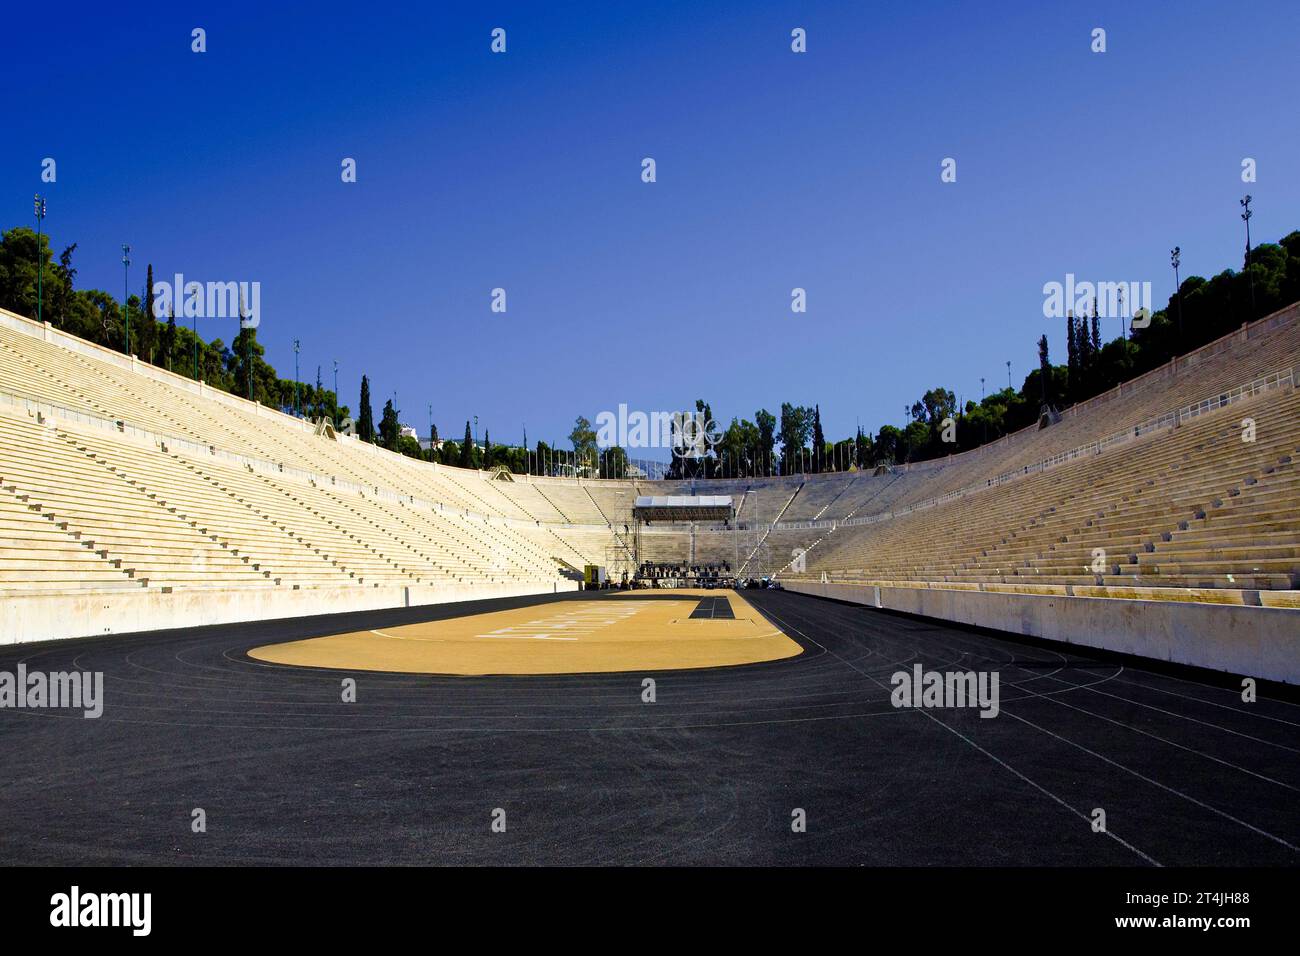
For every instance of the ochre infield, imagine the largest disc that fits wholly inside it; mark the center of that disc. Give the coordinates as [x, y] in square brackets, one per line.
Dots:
[640, 631]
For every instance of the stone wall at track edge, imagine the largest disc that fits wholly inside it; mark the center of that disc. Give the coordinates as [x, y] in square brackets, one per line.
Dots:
[43, 617]
[1259, 642]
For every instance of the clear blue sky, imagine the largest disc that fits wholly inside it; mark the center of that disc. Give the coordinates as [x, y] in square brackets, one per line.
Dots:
[775, 170]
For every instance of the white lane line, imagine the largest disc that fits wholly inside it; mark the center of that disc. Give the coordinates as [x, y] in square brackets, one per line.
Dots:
[952, 730]
[527, 637]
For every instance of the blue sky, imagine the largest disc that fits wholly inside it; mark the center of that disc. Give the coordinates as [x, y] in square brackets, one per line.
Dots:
[775, 171]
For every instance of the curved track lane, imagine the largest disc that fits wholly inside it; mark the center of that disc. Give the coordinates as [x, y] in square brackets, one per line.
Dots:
[588, 773]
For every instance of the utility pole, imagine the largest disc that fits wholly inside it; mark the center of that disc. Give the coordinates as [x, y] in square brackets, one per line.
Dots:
[40, 259]
[126, 292]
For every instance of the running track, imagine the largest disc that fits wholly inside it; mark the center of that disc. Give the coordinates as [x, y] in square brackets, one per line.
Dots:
[587, 773]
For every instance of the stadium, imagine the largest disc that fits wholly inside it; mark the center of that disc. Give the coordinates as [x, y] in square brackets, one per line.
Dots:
[1059, 626]
[216, 560]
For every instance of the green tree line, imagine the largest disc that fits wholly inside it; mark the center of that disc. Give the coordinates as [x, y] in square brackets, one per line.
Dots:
[791, 442]
[95, 315]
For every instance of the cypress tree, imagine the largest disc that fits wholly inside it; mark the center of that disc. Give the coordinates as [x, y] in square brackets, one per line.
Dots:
[147, 325]
[467, 449]
[389, 429]
[169, 338]
[819, 440]
[1044, 365]
[1072, 365]
[366, 425]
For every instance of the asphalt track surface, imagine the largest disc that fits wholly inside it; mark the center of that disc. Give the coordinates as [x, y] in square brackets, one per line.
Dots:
[588, 773]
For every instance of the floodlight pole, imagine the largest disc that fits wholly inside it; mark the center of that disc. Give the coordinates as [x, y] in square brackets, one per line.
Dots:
[336, 394]
[1245, 216]
[1121, 312]
[1008, 373]
[40, 259]
[296, 346]
[247, 336]
[126, 293]
[1175, 257]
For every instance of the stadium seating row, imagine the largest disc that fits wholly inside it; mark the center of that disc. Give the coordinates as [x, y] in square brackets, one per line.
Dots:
[118, 476]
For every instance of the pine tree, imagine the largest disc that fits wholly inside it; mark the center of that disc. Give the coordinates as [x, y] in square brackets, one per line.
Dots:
[433, 442]
[366, 425]
[487, 449]
[64, 293]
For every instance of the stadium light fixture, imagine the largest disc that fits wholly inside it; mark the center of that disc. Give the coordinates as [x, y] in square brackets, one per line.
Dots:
[336, 393]
[126, 294]
[1008, 373]
[296, 346]
[40, 259]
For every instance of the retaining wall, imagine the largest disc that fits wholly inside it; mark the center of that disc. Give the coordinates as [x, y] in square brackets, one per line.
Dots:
[1262, 642]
